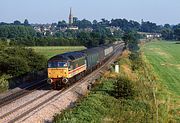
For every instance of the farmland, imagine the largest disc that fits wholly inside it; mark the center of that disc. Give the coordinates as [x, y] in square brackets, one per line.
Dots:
[164, 58]
[50, 51]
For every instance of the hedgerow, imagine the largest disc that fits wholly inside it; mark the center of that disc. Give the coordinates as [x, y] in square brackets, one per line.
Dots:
[17, 61]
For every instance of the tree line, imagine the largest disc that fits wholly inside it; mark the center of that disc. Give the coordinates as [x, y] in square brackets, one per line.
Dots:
[101, 33]
[26, 35]
[169, 32]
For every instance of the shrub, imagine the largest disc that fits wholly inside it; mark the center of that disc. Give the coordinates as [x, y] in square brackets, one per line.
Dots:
[18, 60]
[133, 56]
[136, 60]
[35, 61]
[4, 85]
[178, 42]
[123, 88]
[16, 66]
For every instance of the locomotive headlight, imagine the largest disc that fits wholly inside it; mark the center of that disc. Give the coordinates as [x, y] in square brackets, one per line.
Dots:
[49, 81]
[65, 80]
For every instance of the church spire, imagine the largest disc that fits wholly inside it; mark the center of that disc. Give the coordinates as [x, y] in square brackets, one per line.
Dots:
[70, 17]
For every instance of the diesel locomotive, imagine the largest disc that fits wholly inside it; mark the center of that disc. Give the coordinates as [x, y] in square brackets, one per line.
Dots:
[64, 69]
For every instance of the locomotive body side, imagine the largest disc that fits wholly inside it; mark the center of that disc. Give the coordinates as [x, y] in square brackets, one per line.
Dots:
[76, 67]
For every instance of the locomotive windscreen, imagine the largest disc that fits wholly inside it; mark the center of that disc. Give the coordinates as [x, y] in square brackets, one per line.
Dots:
[57, 64]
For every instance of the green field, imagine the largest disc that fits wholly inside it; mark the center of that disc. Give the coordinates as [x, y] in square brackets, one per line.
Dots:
[164, 56]
[49, 51]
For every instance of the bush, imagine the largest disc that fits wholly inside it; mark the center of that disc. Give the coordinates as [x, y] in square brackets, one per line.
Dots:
[178, 42]
[35, 61]
[123, 88]
[4, 84]
[134, 56]
[136, 60]
[17, 61]
[15, 66]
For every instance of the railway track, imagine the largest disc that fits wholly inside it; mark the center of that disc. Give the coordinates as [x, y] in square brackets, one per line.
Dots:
[64, 91]
[32, 109]
[13, 115]
[16, 95]
[22, 106]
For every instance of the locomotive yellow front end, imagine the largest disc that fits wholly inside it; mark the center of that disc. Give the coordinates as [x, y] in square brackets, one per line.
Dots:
[63, 69]
[57, 70]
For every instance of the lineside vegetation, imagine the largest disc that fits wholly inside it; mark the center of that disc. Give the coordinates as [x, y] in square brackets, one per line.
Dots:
[16, 61]
[124, 97]
[139, 93]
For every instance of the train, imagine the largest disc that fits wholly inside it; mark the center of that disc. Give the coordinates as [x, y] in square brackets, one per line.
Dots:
[65, 69]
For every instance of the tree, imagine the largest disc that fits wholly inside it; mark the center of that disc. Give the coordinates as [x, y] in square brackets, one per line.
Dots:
[62, 24]
[150, 27]
[177, 32]
[84, 24]
[104, 22]
[15, 31]
[131, 41]
[75, 20]
[16, 22]
[16, 61]
[26, 23]
[167, 33]
[167, 26]
[95, 22]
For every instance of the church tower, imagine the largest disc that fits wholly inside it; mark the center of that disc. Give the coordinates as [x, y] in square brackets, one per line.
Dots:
[70, 17]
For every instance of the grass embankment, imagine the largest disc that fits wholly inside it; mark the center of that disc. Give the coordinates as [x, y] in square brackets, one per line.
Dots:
[135, 102]
[165, 60]
[49, 51]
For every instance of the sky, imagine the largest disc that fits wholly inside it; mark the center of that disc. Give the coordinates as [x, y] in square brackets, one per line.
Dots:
[49, 11]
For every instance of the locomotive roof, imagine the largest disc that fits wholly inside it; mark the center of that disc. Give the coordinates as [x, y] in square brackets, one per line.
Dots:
[68, 56]
[92, 50]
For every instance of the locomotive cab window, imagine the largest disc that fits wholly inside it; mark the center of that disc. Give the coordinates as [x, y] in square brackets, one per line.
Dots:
[55, 64]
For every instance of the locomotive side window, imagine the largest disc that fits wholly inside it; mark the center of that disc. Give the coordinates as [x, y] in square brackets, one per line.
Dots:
[70, 66]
